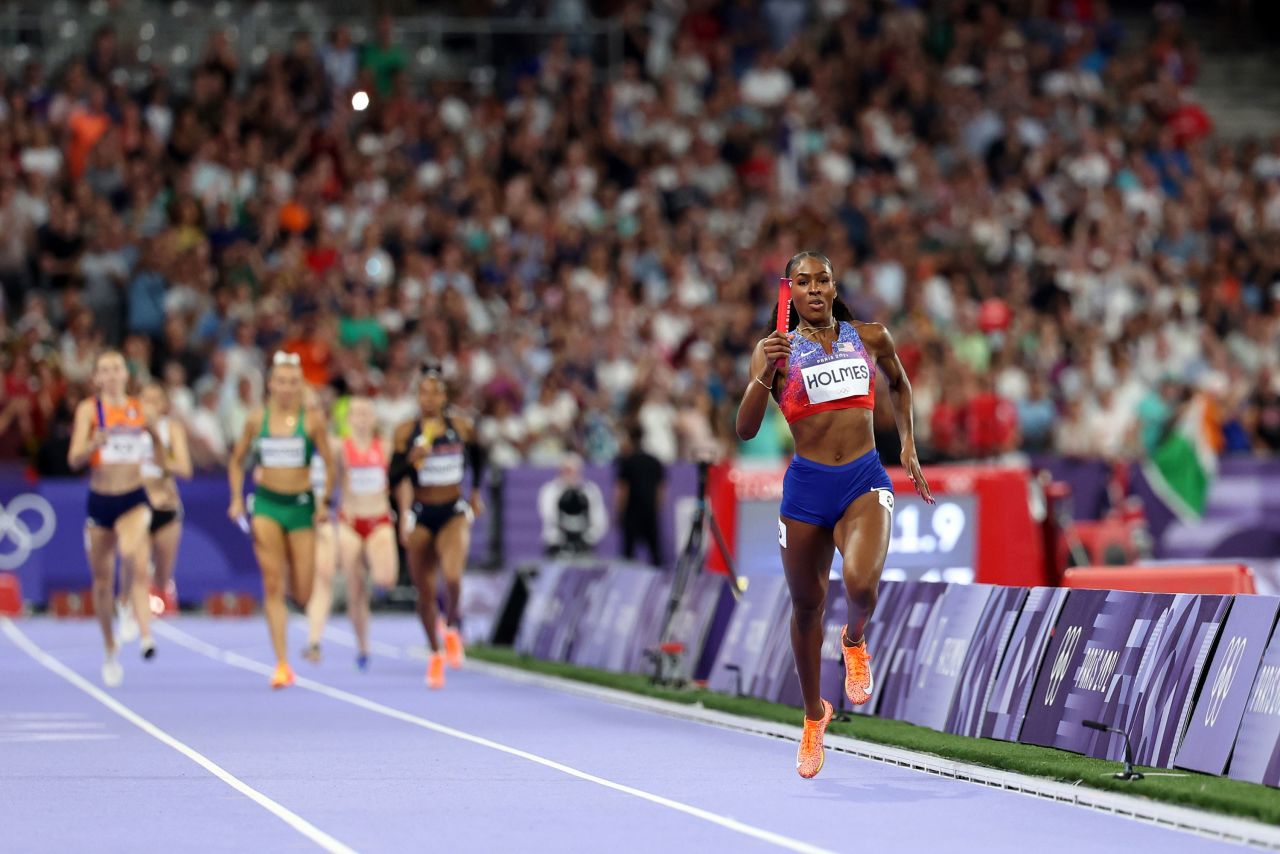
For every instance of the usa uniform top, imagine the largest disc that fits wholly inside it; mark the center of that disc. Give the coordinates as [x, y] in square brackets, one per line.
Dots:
[818, 381]
[446, 464]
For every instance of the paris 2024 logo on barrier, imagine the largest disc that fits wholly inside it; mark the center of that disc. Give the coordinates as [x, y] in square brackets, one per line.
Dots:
[26, 524]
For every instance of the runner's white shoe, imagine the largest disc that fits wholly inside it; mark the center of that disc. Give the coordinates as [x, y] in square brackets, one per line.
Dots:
[112, 672]
[126, 625]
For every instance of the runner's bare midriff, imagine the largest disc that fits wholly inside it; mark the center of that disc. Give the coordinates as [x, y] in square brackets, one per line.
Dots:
[834, 438]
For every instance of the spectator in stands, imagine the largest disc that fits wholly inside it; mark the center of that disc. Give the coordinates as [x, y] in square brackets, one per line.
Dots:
[555, 236]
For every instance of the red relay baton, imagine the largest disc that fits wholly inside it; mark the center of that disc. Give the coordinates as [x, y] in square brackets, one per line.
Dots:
[784, 309]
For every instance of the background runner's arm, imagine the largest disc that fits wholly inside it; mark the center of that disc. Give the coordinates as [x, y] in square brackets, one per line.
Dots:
[398, 469]
[320, 438]
[399, 473]
[158, 451]
[339, 460]
[235, 464]
[179, 452]
[84, 439]
[478, 460]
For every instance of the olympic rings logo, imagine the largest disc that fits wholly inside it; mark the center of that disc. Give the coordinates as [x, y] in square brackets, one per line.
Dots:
[14, 527]
[1223, 681]
[1062, 663]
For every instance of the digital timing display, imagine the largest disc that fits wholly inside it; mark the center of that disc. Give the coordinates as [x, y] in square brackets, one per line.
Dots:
[930, 542]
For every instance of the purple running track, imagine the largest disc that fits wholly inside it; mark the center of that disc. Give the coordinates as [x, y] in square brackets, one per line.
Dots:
[74, 774]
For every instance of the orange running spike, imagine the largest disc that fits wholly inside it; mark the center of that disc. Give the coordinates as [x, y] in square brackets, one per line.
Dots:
[283, 677]
[858, 681]
[435, 671]
[812, 756]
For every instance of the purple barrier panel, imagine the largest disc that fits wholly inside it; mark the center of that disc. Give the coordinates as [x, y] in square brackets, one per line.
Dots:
[893, 604]
[1215, 721]
[593, 640]
[895, 680]
[541, 607]
[1015, 681]
[556, 604]
[701, 623]
[1088, 668]
[607, 630]
[648, 630]
[1170, 672]
[982, 660]
[1117, 701]
[747, 644]
[214, 556]
[573, 594]
[483, 596]
[831, 679]
[779, 660]
[943, 650]
[1257, 752]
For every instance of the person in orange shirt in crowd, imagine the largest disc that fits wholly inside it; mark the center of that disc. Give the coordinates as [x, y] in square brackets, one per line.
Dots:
[85, 127]
[314, 345]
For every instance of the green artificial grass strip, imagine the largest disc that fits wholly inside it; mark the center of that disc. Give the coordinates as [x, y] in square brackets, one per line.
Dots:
[1214, 794]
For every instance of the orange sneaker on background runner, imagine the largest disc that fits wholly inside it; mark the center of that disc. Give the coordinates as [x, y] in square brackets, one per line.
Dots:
[454, 654]
[435, 670]
[858, 682]
[811, 756]
[283, 677]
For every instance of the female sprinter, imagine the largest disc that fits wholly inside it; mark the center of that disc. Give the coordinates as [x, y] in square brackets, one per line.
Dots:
[110, 434]
[433, 452]
[366, 536]
[284, 436]
[162, 488]
[836, 494]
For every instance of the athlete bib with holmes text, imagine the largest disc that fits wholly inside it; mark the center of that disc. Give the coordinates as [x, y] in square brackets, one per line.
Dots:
[836, 379]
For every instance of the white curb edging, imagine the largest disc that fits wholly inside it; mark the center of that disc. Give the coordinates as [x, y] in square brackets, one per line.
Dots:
[1210, 825]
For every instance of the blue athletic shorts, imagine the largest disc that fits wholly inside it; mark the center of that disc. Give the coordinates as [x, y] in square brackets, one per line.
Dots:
[105, 510]
[819, 495]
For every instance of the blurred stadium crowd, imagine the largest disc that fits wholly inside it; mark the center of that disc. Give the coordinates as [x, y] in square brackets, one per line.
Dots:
[1024, 192]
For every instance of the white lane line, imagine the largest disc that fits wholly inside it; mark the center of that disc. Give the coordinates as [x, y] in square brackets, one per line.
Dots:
[236, 660]
[297, 822]
[1168, 816]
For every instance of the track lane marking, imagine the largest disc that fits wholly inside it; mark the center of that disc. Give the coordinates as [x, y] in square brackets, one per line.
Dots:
[295, 821]
[236, 660]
